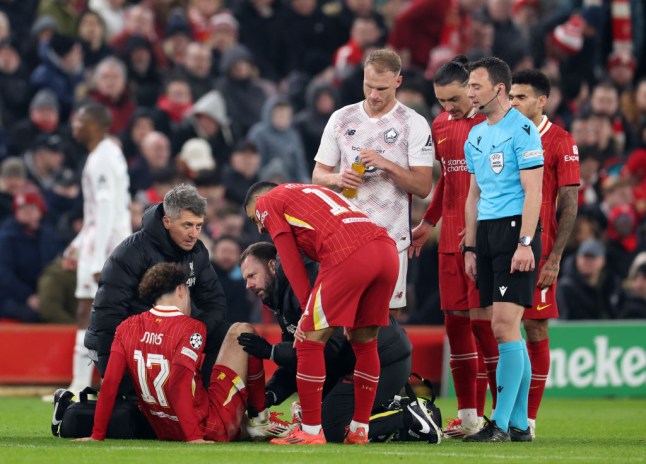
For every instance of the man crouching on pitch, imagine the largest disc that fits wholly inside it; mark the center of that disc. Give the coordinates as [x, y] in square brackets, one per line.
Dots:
[162, 350]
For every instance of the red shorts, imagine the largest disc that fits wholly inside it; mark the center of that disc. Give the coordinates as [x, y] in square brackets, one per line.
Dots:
[457, 291]
[227, 402]
[544, 306]
[355, 293]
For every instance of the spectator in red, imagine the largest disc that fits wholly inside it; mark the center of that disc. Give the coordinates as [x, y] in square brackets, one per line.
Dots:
[13, 180]
[622, 246]
[365, 31]
[110, 79]
[635, 170]
[43, 119]
[177, 99]
[200, 13]
[427, 24]
[139, 22]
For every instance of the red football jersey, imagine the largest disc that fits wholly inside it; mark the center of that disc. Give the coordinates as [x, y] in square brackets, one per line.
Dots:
[326, 226]
[561, 168]
[451, 191]
[153, 345]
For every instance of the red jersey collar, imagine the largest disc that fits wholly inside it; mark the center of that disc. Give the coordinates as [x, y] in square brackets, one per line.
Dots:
[166, 311]
[544, 126]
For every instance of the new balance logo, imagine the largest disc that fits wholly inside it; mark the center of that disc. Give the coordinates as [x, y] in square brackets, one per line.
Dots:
[502, 290]
[500, 388]
[350, 132]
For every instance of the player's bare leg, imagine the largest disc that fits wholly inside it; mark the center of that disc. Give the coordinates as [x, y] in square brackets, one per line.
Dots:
[539, 354]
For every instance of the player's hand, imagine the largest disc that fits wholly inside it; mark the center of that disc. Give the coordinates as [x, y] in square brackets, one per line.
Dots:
[33, 302]
[201, 441]
[85, 439]
[470, 265]
[462, 234]
[549, 272]
[348, 179]
[255, 345]
[299, 335]
[96, 276]
[523, 260]
[420, 235]
[347, 334]
[372, 159]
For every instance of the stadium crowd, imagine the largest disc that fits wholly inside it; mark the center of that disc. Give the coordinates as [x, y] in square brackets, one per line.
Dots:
[222, 94]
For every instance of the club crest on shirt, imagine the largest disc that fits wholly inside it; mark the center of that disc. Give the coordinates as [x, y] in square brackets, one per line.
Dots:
[196, 341]
[497, 162]
[390, 136]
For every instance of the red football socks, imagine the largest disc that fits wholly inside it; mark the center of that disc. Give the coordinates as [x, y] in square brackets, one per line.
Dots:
[464, 359]
[310, 377]
[482, 384]
[256, 383]
[489, 345]
[366, 378]
[539, 355]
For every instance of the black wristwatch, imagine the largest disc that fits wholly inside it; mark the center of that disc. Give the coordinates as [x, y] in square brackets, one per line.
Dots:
[525, 241]
[466, 249]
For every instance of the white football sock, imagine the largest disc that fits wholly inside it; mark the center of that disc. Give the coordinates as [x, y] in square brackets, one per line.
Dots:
[82, 365]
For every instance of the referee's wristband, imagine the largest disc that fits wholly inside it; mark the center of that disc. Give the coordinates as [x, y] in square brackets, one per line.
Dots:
[466, 249]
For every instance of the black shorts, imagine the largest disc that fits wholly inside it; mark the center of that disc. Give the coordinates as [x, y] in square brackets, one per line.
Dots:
[496, 243]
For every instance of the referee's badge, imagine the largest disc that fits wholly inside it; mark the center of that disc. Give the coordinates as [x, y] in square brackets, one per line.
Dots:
[497, 162]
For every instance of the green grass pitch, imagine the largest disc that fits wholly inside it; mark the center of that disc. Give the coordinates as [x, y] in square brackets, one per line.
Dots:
[569, 431]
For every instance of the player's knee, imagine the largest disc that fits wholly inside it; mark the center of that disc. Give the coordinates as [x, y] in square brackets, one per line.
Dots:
[240, 328]
[536, 330]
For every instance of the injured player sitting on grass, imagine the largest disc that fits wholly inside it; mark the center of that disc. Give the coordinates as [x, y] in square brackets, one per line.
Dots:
[162, 350]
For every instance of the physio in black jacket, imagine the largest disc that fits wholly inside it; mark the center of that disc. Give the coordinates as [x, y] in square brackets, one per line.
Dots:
[264, 276]
[169, 234]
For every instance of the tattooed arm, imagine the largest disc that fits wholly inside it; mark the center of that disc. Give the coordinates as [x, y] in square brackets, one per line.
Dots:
[566, 210]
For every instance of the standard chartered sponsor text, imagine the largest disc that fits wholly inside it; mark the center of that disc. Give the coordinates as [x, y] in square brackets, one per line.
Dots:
[600, 366]
[454, 165]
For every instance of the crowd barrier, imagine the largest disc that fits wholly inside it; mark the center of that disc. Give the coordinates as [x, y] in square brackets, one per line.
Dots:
[41, 354]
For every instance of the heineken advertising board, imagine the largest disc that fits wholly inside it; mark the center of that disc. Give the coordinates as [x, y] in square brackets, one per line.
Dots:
[589, 359]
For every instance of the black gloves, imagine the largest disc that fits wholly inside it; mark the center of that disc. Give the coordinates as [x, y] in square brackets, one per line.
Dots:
[255, 345]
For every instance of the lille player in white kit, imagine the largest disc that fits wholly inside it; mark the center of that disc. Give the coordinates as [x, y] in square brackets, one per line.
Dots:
[106, 220]
[394, 144]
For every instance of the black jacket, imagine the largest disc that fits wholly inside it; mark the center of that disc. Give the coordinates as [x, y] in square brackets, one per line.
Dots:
[578, 300]
[393, 342]
[118, 298]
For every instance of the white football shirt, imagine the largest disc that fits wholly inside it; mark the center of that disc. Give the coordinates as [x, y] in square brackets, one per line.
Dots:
[106, 205]
[402, 136]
